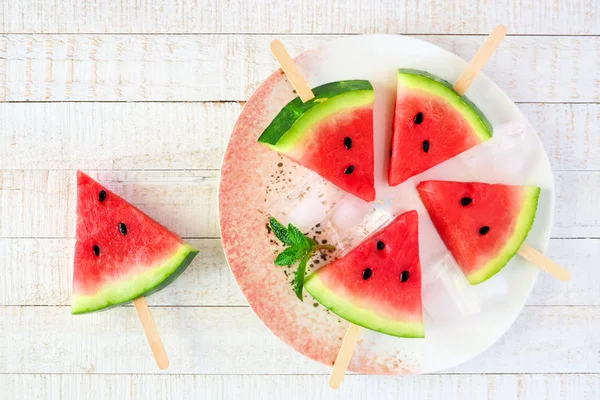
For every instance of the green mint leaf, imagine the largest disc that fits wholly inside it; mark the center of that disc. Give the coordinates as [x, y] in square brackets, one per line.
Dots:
[289, 256]
[297, 238]
[280, 232]
[299, 276]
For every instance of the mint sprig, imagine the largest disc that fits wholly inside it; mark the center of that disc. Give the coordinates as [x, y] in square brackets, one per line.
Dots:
[300, 248]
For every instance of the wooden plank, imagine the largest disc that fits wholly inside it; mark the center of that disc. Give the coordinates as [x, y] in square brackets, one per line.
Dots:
[186, 201]
[355, 387]
[115, 135]
[576, 212]
[580, 257]
[43, 276]
[225, 340]
[230, 67]
[326, 16]
[569, 132]
[194, 135]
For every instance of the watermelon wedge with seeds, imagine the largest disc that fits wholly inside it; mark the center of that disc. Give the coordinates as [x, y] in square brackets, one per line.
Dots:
[377, 285]
[331, 134]
[483, 225]
[432, 123]
[120, 253]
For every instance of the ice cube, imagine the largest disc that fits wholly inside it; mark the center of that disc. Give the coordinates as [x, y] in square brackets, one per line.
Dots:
[511, 156]
[351, 222]
[306, 202]
[449, 293]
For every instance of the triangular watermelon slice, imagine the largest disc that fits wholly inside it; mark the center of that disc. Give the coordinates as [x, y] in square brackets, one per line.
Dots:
[432, 123]
[377, 285]
[120, 253]
[332, 135]
[482, 225]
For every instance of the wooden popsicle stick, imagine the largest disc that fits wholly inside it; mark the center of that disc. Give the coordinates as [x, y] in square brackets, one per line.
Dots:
[289, 67]
[344, 355]
[543, 262]
[156, 345]
[461, 85]
[479, 59]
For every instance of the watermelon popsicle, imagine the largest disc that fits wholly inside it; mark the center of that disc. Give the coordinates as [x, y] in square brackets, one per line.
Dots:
[121, 255]
[329, 130]
[377, 284]
[433, 120]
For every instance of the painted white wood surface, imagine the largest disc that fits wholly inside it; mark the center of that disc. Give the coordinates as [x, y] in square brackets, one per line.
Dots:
[302, 387]
[186, 201]
[190, 136]
[231, 340]
[230, 67]
[207, 282]
[574, 17]
[149, 113]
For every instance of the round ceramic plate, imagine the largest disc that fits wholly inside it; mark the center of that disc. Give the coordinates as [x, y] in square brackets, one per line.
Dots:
[460, 321]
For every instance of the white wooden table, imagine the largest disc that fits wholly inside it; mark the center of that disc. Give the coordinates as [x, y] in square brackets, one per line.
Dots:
[143, 95]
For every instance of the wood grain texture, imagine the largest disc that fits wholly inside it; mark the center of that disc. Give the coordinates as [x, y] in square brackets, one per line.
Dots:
[226, 340]
[55, 52]
[186, 201]
[230, 67]
[327, 16]
[113, 136]
[45, 267]
[355, 387]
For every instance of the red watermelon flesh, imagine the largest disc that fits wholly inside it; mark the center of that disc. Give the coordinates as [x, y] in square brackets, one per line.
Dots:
[333, 163]
[432, 123]
[331, 134]
[377, 285]
[120, 253]
[483, 225]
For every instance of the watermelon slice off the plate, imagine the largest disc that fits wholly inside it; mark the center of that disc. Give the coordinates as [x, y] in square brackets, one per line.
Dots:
[432, 123]
[483, 225]
[120, 253]
[331, 134]
[377, 285]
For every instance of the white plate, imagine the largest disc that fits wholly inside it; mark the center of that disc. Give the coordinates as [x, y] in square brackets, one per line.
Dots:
[452, 337]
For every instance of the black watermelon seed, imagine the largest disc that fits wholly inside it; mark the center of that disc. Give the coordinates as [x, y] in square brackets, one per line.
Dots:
[122, 228]
[349, 170]
[102, 196]
[404, 276]
[484, 229]
[96, 250]
[418, 118]
[347, 143]
[465, 201]
[380, 245]
[425, 146]
[366, 274]
[390, 152]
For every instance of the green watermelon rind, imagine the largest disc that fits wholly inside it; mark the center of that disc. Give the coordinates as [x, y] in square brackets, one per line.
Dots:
[295, 119]
[150, 281]
[422, 80]
[522, 228]
[366, 319]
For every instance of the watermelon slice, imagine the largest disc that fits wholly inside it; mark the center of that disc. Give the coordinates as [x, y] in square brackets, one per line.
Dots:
[332, 135]
[120, 253]
[377, 285]
[482, 225]
[432, 124]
